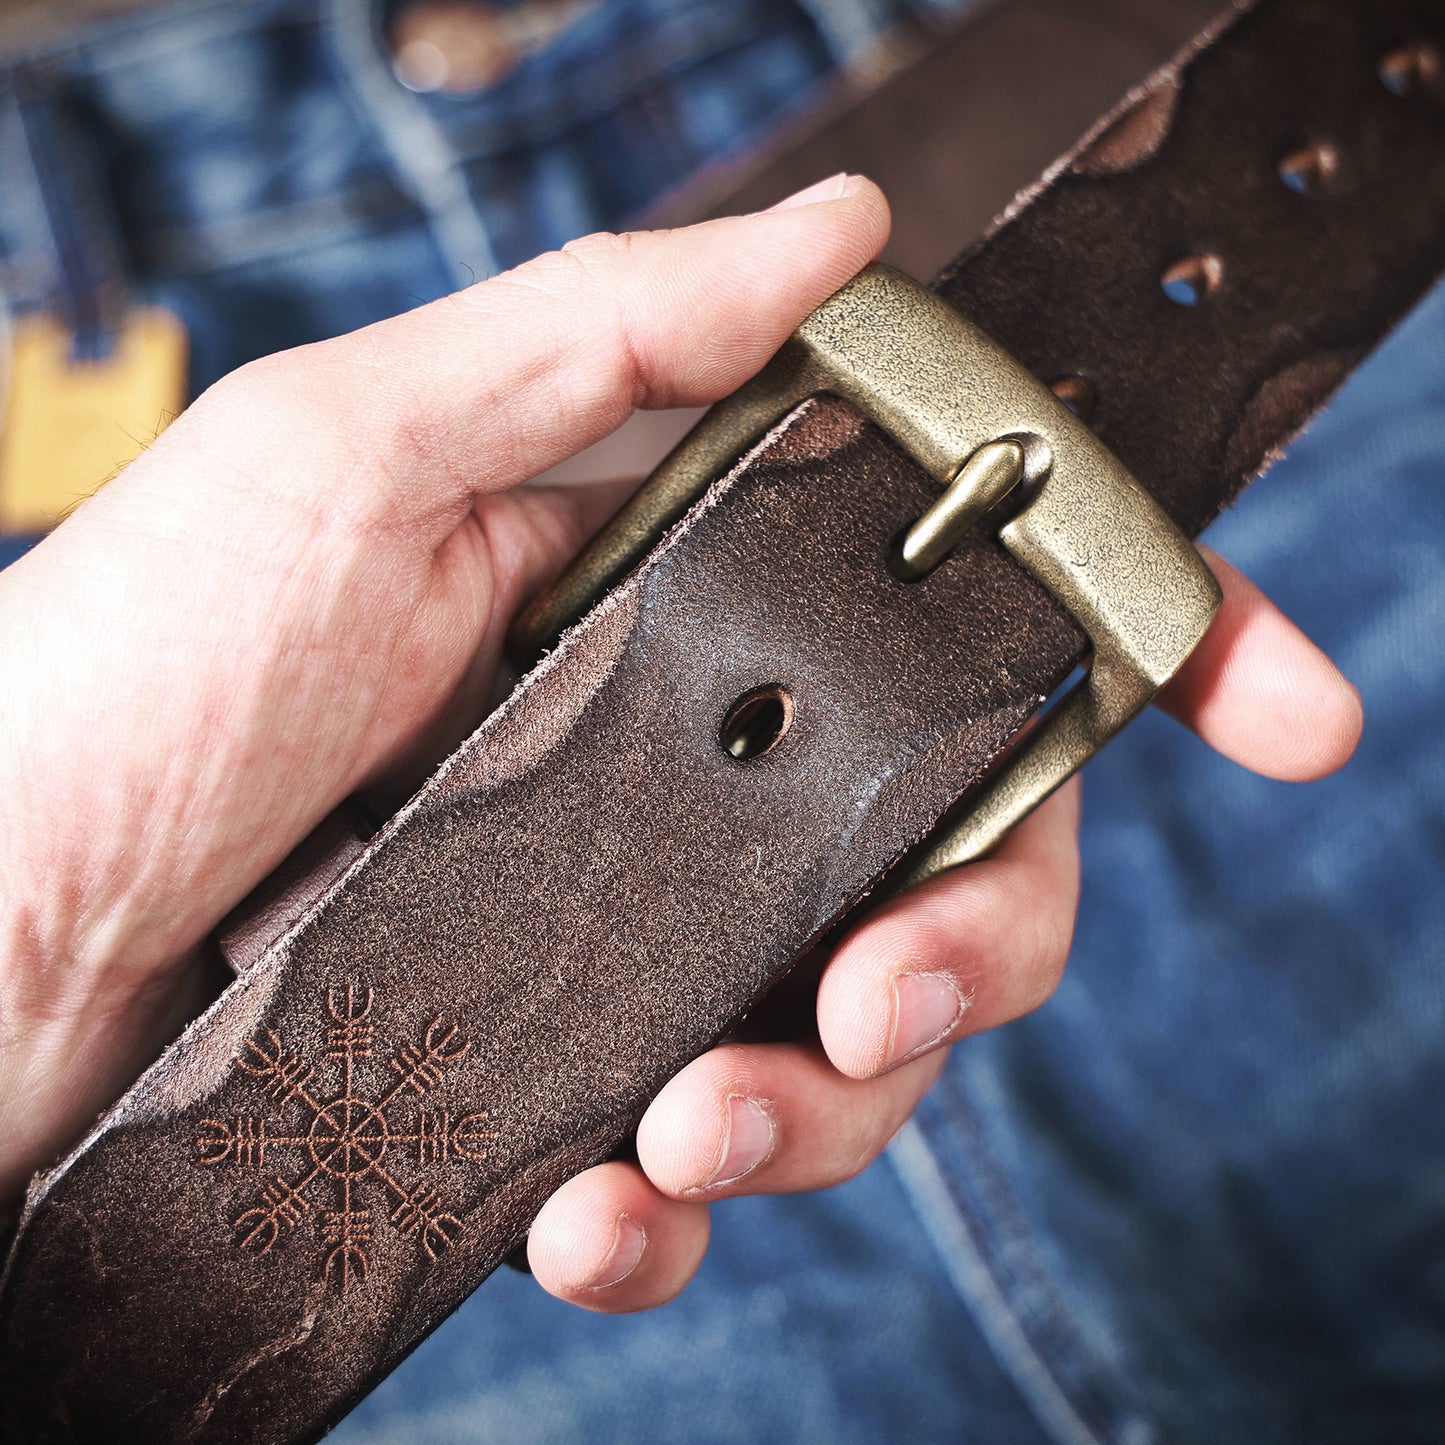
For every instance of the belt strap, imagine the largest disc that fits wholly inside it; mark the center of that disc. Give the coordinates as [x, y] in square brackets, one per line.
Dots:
[1289, 174]
[591, 889]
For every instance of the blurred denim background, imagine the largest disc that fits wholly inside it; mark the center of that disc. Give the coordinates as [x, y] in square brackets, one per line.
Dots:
[1201, 1195]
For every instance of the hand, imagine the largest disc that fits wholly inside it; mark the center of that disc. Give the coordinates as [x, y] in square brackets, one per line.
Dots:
[299, 590]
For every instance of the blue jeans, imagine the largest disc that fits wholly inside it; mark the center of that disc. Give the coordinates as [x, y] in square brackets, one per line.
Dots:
[1200, 1196]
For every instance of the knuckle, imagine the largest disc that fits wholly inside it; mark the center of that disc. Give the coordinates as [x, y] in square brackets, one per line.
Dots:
[600, 249]
[1054, 933]
[584, 263]
[602, 258]
[875, 1131]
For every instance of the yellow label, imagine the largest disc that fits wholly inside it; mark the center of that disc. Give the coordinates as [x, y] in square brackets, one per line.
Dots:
[70, 426]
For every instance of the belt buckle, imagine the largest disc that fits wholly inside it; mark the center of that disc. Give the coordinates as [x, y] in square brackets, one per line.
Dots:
[982, 426]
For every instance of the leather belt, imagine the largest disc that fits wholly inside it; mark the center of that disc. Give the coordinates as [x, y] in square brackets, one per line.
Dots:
[489, 1007]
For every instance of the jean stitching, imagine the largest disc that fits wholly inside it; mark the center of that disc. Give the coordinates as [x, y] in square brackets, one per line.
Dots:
[952, 1236]
[424, 160]
[1008, 1285]
[28, 271]
[278, 232]
[601, 88]
[7, 327]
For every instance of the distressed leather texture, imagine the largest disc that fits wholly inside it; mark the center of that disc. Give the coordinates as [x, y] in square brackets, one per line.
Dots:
[590, 890]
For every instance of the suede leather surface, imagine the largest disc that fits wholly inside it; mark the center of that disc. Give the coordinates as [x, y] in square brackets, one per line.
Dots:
[1196, 401]
[590, 890]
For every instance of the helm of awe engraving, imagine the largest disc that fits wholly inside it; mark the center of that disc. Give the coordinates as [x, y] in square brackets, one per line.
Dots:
[348, 1144]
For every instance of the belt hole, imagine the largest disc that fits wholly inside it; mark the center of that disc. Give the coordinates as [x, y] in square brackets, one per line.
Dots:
[756, 722]
[1309, 168]
[1077, 392]
[1410, 69]
[1191, 278]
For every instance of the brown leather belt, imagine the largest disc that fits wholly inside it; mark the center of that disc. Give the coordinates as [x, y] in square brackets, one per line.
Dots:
[592, 888]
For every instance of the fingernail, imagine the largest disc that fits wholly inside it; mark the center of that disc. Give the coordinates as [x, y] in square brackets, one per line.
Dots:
[834, 188]
[625, 1255]
[926, 1007]
[749, 1141]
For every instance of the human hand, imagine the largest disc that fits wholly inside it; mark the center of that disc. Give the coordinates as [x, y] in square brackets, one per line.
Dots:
[303, 585]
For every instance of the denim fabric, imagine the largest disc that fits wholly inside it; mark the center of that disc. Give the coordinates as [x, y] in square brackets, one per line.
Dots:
[816, 1320]
[1197, 1197]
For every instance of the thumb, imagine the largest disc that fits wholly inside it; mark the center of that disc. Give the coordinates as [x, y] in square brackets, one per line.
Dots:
[484, 389]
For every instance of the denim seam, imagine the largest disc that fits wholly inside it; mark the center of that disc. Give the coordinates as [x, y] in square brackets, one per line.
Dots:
[424, 160]
[1009, 1249]
[603, 88]
[277, 232]
[7, 327]
[27, 272]
[952, 1236]
[78, 209]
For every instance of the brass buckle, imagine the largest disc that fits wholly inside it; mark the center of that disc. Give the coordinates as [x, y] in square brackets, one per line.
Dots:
[981, 425]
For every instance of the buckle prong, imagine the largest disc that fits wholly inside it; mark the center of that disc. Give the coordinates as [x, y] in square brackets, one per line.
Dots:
[979, 423]
[984, 480]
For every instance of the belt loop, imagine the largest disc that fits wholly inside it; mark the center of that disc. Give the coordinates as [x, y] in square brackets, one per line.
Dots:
[422, 157]
[87, 286]
[7, 329]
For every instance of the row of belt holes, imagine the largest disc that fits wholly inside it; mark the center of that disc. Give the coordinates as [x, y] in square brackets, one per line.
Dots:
[1407, 72]
[759, 719]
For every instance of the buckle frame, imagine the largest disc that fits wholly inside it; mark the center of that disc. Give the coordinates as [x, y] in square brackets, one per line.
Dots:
[949, 395]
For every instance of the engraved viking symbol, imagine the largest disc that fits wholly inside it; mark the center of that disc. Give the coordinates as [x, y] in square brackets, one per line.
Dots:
[348, 1141]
